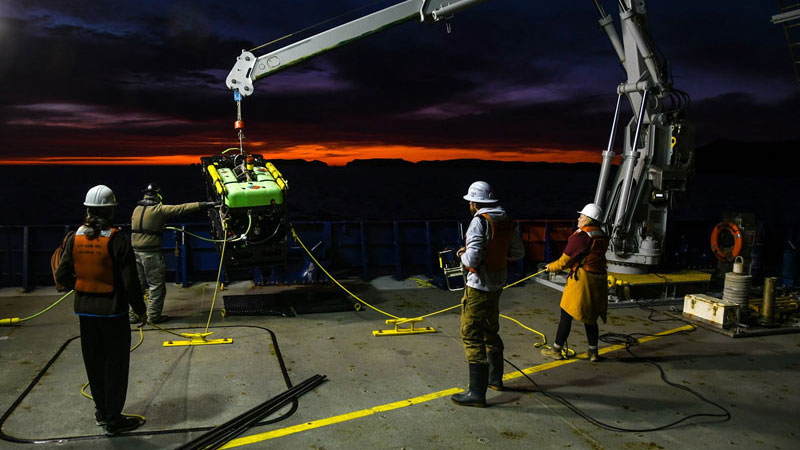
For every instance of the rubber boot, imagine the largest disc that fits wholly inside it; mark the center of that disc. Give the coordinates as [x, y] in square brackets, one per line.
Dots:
[496, 371]
[593, 355]
[478, 380]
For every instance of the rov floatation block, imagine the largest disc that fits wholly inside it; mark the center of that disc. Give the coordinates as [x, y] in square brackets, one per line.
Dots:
[397, 331]
[197, 339]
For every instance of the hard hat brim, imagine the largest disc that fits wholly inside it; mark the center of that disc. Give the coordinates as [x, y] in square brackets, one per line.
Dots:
[478, 200]
[596, 219]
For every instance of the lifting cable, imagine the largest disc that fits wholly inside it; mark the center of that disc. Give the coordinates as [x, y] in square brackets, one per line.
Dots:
[310, 27]
[401, 320]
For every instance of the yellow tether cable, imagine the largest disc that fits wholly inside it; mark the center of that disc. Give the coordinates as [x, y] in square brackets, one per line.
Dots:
[520, 281]
[141, 338]
[505, 317]
[13, 320]
[219, 273]
[48, 308]
[300, 241]
[404, 320]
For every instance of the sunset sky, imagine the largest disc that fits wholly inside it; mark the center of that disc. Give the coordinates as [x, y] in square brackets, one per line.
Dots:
[142, 82]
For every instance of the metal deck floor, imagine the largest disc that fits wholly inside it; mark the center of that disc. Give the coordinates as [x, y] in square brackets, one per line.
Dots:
[392, 392]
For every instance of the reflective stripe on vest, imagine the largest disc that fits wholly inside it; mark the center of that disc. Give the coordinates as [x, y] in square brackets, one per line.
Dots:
[93, 264]
[496, 257]
[595, 259]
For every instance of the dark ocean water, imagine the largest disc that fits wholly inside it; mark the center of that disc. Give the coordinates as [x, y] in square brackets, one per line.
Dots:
[53, 195]
[38, 195]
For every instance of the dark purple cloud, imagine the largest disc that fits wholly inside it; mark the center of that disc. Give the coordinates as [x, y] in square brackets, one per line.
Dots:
[511, 75]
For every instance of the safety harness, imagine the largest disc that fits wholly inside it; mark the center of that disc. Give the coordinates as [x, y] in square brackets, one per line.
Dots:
[594, 260]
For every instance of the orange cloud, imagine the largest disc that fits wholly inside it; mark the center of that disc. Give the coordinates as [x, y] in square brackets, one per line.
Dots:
[334, 155]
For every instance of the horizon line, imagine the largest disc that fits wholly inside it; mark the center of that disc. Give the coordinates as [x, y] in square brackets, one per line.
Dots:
[340, 156]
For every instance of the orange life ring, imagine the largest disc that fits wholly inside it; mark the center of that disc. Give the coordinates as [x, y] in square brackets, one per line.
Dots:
[736, 232]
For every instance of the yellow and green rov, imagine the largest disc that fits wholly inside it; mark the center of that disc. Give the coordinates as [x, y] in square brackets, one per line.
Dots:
[249, 228]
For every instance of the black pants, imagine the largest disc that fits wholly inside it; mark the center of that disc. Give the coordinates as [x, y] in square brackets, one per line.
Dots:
[564, 326]
[106, 342]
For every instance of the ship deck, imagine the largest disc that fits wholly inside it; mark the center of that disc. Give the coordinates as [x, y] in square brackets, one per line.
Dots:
[393, 391]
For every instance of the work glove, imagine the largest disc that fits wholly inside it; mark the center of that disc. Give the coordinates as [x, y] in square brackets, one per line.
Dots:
[461, 251]
[210, 204]
[143, 320]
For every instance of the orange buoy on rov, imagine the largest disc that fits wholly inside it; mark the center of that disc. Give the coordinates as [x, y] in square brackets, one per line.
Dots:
[731, 253]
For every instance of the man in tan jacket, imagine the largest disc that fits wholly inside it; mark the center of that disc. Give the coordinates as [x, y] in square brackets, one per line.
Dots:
[147, 229]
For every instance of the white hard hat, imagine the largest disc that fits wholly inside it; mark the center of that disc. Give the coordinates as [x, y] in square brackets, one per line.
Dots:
[592, 211]
[480, 192]
[100, 195]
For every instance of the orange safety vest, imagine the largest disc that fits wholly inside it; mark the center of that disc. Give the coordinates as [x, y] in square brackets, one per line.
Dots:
[93, 264]
[496, 257]
[595, 260]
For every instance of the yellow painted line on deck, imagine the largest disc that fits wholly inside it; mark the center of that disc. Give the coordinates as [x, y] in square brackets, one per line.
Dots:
[602, 351]
[338, 419]
[421, 399]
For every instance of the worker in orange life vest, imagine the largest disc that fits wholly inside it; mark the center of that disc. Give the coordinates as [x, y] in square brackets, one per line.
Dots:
[585, 296]
[98, 263]
[490, 243]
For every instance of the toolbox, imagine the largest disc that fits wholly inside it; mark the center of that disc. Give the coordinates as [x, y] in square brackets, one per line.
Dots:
[711, 310]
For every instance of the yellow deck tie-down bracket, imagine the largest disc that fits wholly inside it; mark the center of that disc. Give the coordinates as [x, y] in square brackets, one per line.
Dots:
[197, 339]
[402, 331]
